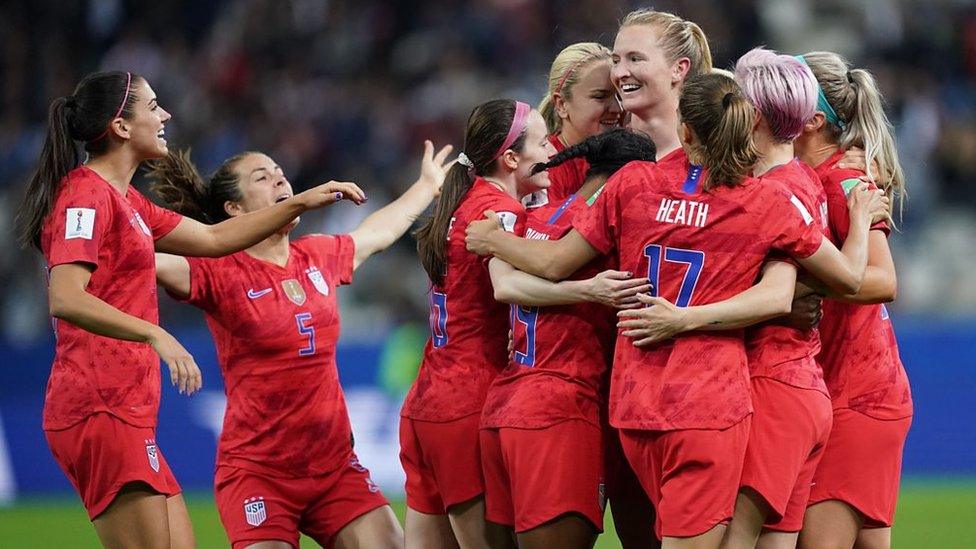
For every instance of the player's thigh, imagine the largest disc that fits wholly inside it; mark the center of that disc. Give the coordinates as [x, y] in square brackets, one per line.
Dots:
[711, 539]
[829, 524]
[770, 539]
[873, 538]
[378, 528]
[750, 512]
[136, 518]
[269, 544]
[473, 531]
[180, 529]
[571, 531]
[425, 530]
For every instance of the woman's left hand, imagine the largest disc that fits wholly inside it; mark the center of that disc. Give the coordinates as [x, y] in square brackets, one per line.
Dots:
[433, 168]
[658, 320]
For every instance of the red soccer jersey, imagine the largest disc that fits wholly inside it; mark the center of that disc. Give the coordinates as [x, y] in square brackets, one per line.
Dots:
[696, 247]
[566, 178]
[559, 364]
[859, 355]
[275, 330]
[92, 223]
[780, 352]
[469, 329]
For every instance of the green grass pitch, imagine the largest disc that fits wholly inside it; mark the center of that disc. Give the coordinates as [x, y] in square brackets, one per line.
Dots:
[930, 514]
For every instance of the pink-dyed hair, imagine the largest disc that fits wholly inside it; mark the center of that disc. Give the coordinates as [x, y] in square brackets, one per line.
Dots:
[781, 87]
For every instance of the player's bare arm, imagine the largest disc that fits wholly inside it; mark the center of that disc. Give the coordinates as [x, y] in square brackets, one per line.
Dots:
[551, 259]
[69, 301]
[769, 298]
[611, 288]
[384, 226]
[173, 273]
[192, 238]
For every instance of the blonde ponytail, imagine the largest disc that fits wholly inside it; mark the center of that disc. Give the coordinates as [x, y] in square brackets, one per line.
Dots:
[678, 38]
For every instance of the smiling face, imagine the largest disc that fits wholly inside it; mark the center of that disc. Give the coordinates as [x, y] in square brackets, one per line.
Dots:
[590, 107]
[145, 128]
[262, 184]
[641, 71]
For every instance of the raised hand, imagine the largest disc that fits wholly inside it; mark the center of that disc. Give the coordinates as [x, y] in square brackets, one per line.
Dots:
[864, 202]
[433, 168]
[330, 193]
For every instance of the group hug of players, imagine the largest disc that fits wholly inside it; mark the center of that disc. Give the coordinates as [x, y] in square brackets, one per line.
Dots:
[625, 305]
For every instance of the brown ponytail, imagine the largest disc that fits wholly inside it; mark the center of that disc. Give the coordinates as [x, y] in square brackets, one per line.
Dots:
[178, 183]
[487, 128]
[83, 116]
[722, 119]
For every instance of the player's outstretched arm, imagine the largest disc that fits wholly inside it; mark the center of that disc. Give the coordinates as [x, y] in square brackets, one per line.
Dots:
[70, 301]
[551, 259]
[880, 283]
[843, 270]
[192, 238]
[173, 273]
[610, 288]
[771, 297]
[386, 225]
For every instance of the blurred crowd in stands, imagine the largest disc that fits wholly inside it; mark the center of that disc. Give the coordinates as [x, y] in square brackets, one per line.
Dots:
[348, 89]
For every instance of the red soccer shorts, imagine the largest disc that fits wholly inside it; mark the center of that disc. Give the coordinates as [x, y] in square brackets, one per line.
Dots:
[442, 462]
[535, 475]
[102, 453]
[861, 465]
[255, 507]
[789, 433]
[691, 475]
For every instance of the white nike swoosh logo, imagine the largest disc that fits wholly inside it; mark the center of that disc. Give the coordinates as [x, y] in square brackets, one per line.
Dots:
[254, 295]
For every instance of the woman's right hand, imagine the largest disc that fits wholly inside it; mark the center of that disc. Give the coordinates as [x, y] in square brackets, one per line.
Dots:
[329, 193]
[867, 205]
[183, 370]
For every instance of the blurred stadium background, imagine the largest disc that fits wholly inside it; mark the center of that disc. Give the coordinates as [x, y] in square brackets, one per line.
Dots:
[349, 89]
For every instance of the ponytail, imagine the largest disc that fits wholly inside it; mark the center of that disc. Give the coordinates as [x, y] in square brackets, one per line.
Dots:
[605, 152]
[486, 133]
[178, 183]
[861, 121]
[58, 157]
[722, 119]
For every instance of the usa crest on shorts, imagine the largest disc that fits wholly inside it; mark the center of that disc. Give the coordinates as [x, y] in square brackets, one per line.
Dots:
[294, 291]
[153, 453]
[315, 275]
[255, 511]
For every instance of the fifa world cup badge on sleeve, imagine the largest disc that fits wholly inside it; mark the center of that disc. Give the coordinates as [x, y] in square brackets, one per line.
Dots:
[315, 275]
[80, 223]
[153, 453]
[508, 221]
[294, 291]
[254, 511]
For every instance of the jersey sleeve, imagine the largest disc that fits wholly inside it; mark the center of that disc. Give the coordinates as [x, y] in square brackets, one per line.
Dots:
[336, 253]
[795, 230]
[160, 220]
[203, 285]
[600, 223]
[79, 227]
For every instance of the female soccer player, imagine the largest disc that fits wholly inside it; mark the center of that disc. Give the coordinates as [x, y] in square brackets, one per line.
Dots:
[580, 102]
[856, 483]
[503, 140]
[684, 407]
[550, 401]
[98, 235]
[653, 54]
[791, 409]
[285, 462]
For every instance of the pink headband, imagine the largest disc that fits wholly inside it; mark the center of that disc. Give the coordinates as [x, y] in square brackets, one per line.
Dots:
[128, 81]
[519, 122]
[572, 68]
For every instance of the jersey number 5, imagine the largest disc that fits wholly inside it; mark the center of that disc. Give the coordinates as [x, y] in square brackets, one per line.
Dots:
[302, 319]
[694, 259]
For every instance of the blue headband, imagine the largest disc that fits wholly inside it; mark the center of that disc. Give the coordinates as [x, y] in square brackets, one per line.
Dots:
[822, 105]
